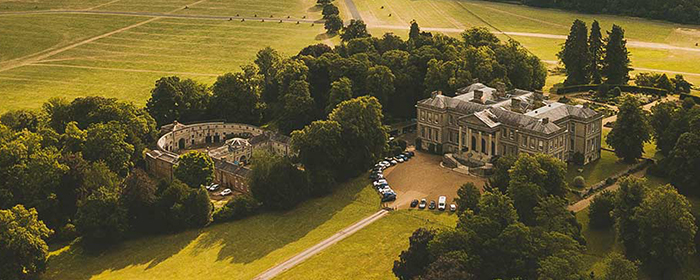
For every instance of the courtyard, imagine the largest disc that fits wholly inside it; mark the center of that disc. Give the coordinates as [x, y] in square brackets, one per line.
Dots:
[423, 177]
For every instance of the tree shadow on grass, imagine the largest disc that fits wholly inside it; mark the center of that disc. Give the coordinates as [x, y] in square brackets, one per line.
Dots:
[251, 239]
[76, 262]
[324, 36]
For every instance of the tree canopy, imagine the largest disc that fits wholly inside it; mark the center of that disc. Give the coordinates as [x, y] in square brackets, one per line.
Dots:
[23, 248]
[631, 130]
[195, 169]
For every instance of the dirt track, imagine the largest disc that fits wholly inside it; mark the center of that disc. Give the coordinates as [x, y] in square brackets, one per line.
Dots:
[423, 177]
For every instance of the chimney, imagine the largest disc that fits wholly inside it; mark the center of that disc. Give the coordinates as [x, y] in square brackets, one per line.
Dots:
[515, 104]
[500, 89]
[475, 81]
[478, 96]
[545, 120]
[435, 93]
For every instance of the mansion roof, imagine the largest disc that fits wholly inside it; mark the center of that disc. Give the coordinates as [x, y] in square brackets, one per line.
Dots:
[517, 108]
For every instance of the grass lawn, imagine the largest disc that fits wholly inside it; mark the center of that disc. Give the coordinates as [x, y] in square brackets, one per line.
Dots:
[370, 253]
[126, 64]
[607, 165]
[234, 250]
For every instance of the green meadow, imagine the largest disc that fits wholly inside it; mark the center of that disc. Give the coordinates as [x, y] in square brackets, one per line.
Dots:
[233, 250]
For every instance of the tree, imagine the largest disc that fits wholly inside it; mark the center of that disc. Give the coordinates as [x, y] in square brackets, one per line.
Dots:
[666, 229]
[323, 2]
[363, 133]
[22, 247]
[101, 219]
[414, 261]
[414, 32]
[562, 266]
[333, 24]
[663, 118]
[575, 55]
[683, 164]
[320, 149]
[329, 10]
[195, 169]
[237, 208]
[616, 62]
[107, 142]
[237, 97]
[600, 210]
[174, 99]
[268, 61]
[533, 178]
[380, 83]
[631, 130]
[501, 175]
[297, 107]
[276, 182]
[356, 29]
[552, 215]
[21, 119]
[341, 90]
[468, 196]
[595, 50]
[139, 197]
[619, 268]
[478, 37]
[449, 266]
[630, 195]
[681, 85]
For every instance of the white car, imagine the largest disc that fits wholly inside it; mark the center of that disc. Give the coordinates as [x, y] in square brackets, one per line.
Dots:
[441, 203]
[213, 187]
[400, 160]
[453, 207]
[386, 190]
[226, 192]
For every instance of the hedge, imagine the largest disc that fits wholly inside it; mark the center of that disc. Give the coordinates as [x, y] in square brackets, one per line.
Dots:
[695, 98]
[624, 88]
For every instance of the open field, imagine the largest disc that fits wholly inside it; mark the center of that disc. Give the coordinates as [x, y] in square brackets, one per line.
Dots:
[372, 250]
[57, 54]
[234, 250]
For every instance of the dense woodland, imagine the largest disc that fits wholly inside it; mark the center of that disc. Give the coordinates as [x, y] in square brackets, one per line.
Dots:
[681, 11]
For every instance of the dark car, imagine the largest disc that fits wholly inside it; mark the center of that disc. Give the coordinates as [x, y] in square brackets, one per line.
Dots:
[432, 205]
[388, 197]
[411, 154]
[414, 203]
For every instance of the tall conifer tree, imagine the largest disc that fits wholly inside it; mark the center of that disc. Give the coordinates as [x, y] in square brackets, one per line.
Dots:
[595, 50]
[616, 62]
[574, 54]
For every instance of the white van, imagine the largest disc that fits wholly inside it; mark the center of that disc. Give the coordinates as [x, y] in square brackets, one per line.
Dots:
[441, 203]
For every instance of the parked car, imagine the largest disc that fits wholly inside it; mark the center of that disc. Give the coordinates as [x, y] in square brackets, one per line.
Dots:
[432, 205]
[453, 207]
[394, 162]
[380, 182]
[441, 203]
[414, 203]
[386, 190]
[422, 204]
[214, 187]
[226, 192]
[411, 154]
[399, 160]
[388, 197]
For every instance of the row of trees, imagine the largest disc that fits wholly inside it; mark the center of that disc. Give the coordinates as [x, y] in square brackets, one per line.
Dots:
[292, 92]
[681, 11]
[677, 84]
[525, 233]
[673, 126]
[655, 226]
[592, 59]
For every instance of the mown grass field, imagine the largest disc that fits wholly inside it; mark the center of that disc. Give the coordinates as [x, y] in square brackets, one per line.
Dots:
[372, 250]
[234, 250]
[126, 64]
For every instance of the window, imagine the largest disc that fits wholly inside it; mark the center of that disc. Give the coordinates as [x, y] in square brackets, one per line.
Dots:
[541, 145]
[512, 134]
[422, 131]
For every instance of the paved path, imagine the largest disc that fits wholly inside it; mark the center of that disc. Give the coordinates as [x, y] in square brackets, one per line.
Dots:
[291, 262]
[161, 15]
[353, 9]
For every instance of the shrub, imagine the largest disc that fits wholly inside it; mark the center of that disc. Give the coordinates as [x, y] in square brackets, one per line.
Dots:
[579, 182]
[609, 181]
[600, 210]
[237, 208]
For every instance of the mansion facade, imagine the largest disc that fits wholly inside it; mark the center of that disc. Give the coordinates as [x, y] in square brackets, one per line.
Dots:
[480, 123]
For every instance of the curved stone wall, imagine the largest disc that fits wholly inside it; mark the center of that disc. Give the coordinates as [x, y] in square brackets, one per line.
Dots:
[185, 136]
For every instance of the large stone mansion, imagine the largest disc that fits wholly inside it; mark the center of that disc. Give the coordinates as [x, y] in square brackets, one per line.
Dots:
[480, 123]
